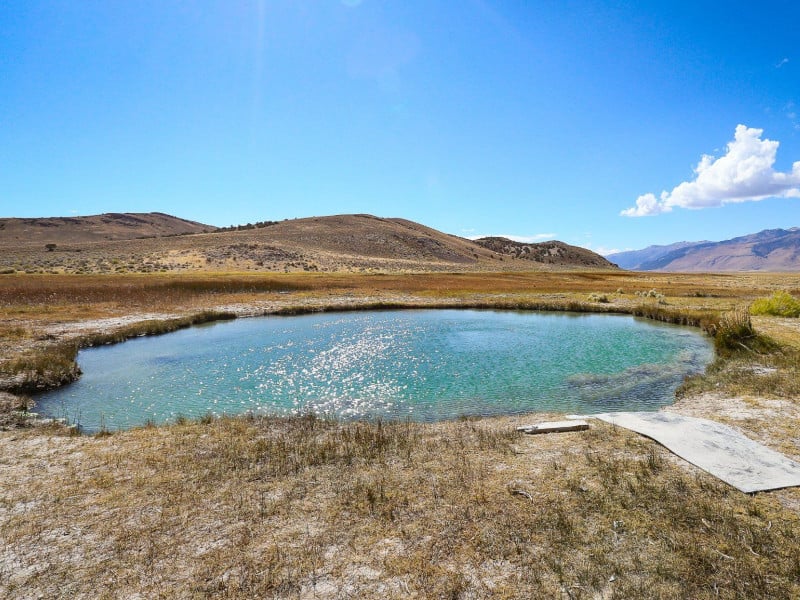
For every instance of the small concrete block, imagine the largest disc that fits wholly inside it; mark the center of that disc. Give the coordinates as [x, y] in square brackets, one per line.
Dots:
[555, 427]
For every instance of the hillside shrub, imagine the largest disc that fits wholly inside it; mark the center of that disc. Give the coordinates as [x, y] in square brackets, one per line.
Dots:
[780, 304]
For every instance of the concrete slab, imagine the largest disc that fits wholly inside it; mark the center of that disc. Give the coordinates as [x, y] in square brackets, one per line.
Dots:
[555, 427]
[714, 447]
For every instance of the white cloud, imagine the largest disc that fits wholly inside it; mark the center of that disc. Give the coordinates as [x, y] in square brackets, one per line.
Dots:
[743, 174]
[781, 62]
[646, 205]
[525, 239]
[603, 251]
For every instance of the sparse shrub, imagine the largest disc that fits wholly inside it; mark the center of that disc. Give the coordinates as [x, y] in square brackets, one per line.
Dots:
[780, 304]
[602, 298]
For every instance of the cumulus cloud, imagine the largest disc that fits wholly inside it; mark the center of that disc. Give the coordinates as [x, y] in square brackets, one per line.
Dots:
[743, 174]
[647, 205]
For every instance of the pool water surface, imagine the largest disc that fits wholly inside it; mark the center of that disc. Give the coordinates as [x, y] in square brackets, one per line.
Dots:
[423, 365]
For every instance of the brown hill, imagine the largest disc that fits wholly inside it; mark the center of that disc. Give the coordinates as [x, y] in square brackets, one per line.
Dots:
[94, 228]
[549, 253]
[334, 243]
[375, 237]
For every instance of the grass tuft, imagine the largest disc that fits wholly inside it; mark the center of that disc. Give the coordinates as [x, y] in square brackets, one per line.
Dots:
[735, 334]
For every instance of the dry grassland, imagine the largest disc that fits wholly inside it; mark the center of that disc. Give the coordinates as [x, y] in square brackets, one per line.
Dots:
[306, 508]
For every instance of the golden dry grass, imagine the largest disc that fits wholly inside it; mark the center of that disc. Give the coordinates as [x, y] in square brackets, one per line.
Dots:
[305, 508]
[44, 298]
[267, 508]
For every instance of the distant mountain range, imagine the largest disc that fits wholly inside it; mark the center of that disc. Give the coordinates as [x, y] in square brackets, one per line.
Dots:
[768, 250]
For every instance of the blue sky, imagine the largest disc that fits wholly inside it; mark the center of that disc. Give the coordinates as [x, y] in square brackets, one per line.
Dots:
[560, 119]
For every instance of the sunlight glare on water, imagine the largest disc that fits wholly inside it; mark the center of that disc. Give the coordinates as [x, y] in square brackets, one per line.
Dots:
[422, 364]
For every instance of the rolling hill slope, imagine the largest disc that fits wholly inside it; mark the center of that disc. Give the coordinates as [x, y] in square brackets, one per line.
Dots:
[95, 228]
[550, 253]
[148, 243]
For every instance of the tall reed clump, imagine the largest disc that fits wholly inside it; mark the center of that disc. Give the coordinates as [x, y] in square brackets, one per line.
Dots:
[780, 304]
[154, 327]
[734, 333]
[704, 319]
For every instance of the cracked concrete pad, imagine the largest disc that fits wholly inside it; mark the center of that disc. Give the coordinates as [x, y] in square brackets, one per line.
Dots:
[715, 448]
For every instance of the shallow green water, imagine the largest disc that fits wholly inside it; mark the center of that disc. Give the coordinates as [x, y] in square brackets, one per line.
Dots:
[421, 364]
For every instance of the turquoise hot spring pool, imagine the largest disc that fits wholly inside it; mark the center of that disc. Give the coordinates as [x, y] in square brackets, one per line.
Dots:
[423, 365]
